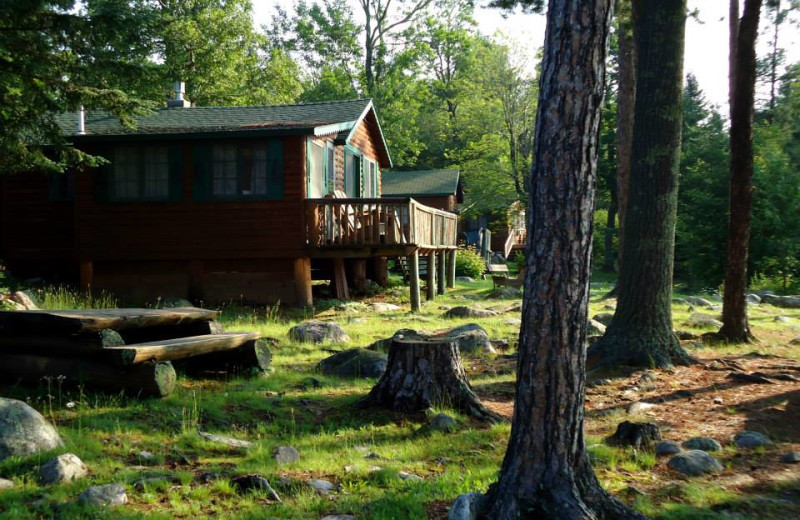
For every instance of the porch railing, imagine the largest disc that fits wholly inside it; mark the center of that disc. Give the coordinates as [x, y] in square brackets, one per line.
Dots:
[378, 222]
[516, 237]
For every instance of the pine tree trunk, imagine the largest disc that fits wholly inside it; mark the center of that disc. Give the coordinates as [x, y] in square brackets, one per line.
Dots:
[421, 374]
[546, 471]
[641, 332]
[626, 95]
[734, 306]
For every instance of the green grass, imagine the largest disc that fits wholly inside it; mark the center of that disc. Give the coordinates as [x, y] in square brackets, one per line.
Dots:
[108, 431]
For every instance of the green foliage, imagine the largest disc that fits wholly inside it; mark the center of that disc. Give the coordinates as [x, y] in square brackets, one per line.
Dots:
[469, 262]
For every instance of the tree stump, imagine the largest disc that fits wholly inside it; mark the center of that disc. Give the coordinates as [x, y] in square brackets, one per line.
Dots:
[424, 373]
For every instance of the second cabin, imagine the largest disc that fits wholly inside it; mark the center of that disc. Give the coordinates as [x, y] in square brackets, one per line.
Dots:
[220, 204]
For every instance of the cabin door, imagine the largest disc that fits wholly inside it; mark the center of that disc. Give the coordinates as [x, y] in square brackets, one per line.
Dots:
[352, 175]
[316, 170]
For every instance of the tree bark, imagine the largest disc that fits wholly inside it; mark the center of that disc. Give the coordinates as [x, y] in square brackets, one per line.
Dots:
[641, 332]
[421, 374]
[546, 471]
[626, 96]
[735, 327]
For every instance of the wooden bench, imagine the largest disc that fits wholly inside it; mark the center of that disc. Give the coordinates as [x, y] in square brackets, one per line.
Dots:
[500, 276]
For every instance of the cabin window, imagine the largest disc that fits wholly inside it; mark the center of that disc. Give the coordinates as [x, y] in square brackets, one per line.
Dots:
[62, 186]
[352, 174]
[330, 177]
[316, 166]
[238, 171]
[370, 178]
[141, 173]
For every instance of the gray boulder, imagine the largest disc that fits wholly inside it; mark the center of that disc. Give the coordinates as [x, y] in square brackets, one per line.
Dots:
[604, 318]
[595, 328]
[685, 335]
[467, 279]
[753, 298]
[504, 293]
[469, 312]
[442, 423]
[26, 299]
[793, 457]
[702, 443]
[782, 319]
[107, 495]
[696, 300]
[6, 484]
[695, 463]
[795, 342]
[750, 439]
[467, 507]
[23, 430]
[471, 338]
[285, 454]
[175, 303]
[785, 302]
[698, 319]
[664, 448]
[64, 468]
[357, 362]
[318, 332]
[321, 487]
[381, 307]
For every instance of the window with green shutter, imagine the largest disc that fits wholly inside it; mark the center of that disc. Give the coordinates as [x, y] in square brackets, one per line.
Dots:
[141, 173]
[238, 171]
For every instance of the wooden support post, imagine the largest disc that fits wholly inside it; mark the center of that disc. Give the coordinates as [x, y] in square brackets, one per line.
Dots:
[87, 275]
[358, 274]
[195, 290]
[381, 268]
[442, 276]
[431, 289]
[340, 280]
[451, 268]
[302, 282]
[413, 260]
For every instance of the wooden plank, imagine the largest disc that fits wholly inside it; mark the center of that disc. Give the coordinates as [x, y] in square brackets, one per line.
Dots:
[180, 348]
[252, 358]
[77, 321]
[70, 345]
[151, 380]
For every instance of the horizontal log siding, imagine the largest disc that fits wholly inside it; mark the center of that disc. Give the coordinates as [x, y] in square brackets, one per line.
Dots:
[196, 230]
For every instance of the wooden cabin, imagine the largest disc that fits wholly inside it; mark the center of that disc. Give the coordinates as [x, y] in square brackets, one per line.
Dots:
[440, 189]
[219, 204]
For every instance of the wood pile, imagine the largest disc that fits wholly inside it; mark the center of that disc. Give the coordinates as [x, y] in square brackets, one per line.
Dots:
[131, 350]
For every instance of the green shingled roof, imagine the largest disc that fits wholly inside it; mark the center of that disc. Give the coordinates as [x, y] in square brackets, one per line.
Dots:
[419, 183]
[326, 118]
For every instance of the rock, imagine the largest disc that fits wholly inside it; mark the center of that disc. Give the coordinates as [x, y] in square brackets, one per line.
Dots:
[467, 279]
[750, 439]
[442, 423]
[695, 463]
[285, 454]
[594, 327]
[685, 335]
[228, 441]
[322, 487]
[702, 443]
[64, 468]
[408, 476]
[384, 307]
[781, 319]
[664, 448]
[467, 507]
[504, 293]
[753, 298]
[338, 517]
[639, 407]
[604, 318]
[785, 302]
[6, 484]
[174, 303]
[718, 400]
[513, 322]
[635, 434]
[357, 362]
[26, 299]
[699, 319]
[471, 338]
[255, 482]
[793, 457]
[318, 332]
[106, 495]
[700, 302]
[23, 430]
[146, 456]
[795, 342]
[469, 312]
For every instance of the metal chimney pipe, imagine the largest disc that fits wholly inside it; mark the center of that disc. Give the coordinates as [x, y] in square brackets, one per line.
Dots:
[81, 121]
[180, 90]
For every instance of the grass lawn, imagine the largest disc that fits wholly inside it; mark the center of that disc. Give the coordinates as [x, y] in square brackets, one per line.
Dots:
[367, 453]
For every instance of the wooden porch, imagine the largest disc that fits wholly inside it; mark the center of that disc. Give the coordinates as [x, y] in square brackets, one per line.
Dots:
[379, 228]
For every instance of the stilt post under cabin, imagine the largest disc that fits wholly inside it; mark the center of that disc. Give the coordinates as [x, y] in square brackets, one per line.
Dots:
[431, 289]
[381, 268]
[340, 280]
[413, 260]
[451, 269]
[87, 275]
[302, 282]
[442, 276]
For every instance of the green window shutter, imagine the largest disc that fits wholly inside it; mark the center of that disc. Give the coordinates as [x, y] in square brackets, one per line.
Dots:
[175, 173]
[201, 171]
[308, 167]
[102, 177]
[275, 172]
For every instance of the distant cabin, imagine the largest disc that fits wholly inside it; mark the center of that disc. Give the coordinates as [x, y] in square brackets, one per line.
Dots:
[441, 189]
[218, 204]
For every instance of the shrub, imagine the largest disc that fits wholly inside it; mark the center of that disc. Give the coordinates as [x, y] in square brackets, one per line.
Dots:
[469, 262]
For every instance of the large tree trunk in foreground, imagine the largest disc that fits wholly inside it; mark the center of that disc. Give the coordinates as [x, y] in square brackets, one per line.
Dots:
[546, 471]
[626, 96]
[641, 332]
[734, 306]
[421, 374]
